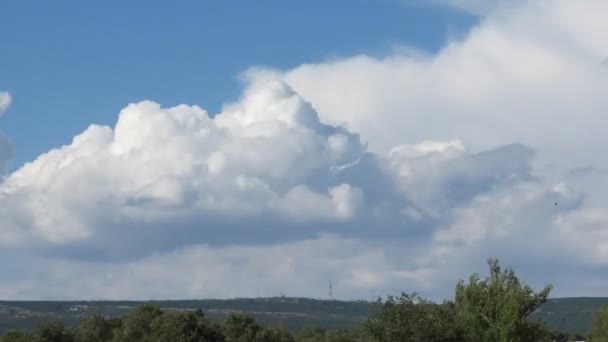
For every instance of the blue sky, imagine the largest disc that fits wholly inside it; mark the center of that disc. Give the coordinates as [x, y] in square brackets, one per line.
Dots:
[69, 64]
[191, 150]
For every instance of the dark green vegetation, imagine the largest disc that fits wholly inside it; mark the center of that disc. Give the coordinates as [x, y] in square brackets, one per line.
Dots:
[290, 313]
[496, 308]
[570, 314]
[564, 314]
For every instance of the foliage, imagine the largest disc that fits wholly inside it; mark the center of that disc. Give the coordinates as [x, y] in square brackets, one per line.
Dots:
[270, 334]
[185, 327]
[497, 308]
[313, 334]
[599, 330]
[291, 313]
[52, 332]
[137, 325]
[243, 328]
[492, 309]
[97, 328]
[410, 318]
[564, 314]
[340, 336]
[13, 336]
[240, 327]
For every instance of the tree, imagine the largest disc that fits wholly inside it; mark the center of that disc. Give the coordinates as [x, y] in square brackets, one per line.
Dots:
[410, 318]
[497, 308]
[243, 328]
[270, 334]
[240, 327]
[340, 336]
[137, 325]
[52, 332]
[493, 309]
[14, 336]
[312, 334]
[97, 328]
[599, 329]
[185, 327]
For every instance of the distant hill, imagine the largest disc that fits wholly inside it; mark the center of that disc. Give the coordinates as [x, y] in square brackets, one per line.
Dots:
[570, 314]
[290, 313]
[564, 314]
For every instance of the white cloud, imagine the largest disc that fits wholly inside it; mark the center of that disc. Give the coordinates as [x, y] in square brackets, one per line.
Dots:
[480, 7]
[6, 147]
[159, 165]
[258, 168]
[5, 101]
[6, 152]
[302, 268]
[264, 175]
[531, 75]
[489, 147]
[549, 234]
[530, 72]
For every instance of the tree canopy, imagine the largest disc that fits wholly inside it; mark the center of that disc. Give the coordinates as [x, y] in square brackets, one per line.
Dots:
[599, 330]
[497, 308]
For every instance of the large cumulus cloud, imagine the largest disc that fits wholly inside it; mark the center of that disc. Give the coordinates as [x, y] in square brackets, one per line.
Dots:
[263, 177]
[267, 158]
[530, 73]
[489, 147]
[264, 170]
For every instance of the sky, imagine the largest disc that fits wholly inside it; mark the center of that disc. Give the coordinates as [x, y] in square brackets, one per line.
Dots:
[227, 149]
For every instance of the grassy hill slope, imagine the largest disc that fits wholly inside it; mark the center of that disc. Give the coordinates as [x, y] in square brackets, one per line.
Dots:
[570, 314]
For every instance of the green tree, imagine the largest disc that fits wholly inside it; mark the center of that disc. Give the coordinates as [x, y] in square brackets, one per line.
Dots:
[240, 327]
[270, 334]
[410, 318]
[14, 336]
[340, 336]
[96, 329]
[599, 328]
[315, 334]
[497, 308]
[311, 334]
[52, 332]
[243, 328]
[137, 325]
[185, 327]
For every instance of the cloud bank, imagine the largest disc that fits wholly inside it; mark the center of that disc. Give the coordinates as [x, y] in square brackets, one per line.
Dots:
[391, 174]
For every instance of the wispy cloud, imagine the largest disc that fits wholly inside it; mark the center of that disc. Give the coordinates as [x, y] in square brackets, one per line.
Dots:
[5, 101]
[474, 7]
[6, 147]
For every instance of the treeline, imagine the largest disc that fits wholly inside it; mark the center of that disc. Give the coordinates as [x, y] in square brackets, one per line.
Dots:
[496, 308]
